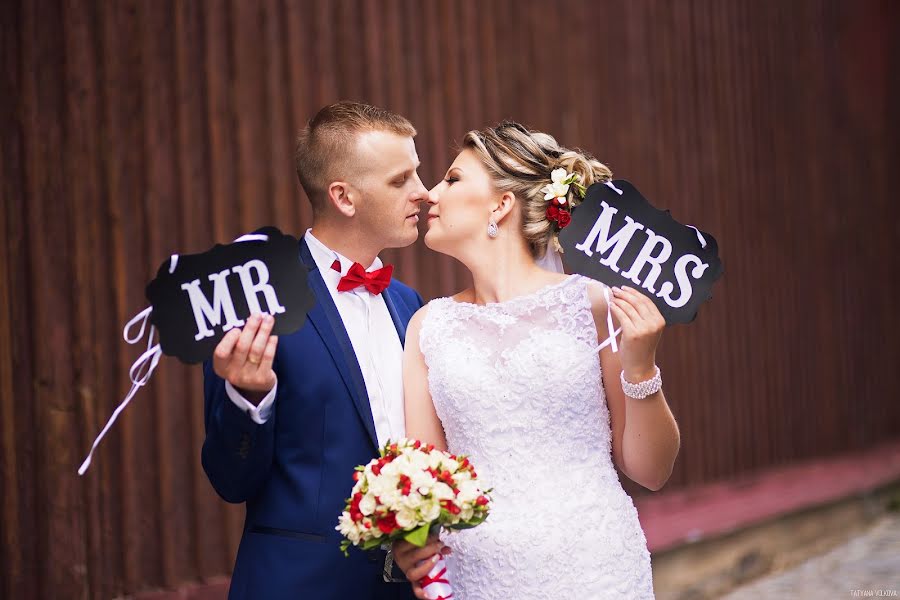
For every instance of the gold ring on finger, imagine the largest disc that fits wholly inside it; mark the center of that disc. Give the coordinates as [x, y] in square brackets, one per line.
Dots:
[253, 361]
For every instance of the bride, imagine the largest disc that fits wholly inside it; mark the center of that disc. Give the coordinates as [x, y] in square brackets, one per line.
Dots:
[521, 373]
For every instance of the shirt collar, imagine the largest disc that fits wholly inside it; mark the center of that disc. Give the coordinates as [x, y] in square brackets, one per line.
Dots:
[324, 257]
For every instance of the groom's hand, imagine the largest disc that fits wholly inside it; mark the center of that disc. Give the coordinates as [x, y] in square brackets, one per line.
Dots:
[416, 562]
[244, 358]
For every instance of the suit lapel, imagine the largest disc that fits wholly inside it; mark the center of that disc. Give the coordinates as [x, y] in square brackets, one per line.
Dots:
[327, 320]
[399, 323]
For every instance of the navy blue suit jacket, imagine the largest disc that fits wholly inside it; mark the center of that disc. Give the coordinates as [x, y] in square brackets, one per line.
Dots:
[295, 471]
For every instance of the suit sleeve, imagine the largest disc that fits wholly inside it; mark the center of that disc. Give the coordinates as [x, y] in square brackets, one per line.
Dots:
[237, 451]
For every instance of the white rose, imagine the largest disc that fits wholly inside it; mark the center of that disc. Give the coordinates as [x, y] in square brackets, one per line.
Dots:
[367, 504]
[384, 483]
[413, 501]
[391, 498]
[435, 459]
[422, 481]
[391, 470]
[406, 518]
[403, 463]
[419, 460]
[430, 510]
[442, 491]
[461, 476]
[468, 491]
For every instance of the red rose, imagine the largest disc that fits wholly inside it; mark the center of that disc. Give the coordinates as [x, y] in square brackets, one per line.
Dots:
[446, 477]
[355, 514]
[387, 523]
[405, 485]
[450, 507]
[564, 218]
[553, 212]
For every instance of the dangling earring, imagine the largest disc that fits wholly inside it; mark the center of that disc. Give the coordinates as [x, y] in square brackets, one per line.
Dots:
[493, 230]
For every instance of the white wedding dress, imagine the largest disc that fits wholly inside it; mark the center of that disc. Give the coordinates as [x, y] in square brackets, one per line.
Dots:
[517, 387]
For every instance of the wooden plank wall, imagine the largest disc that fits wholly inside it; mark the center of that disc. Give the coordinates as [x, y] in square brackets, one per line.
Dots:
[133, 129]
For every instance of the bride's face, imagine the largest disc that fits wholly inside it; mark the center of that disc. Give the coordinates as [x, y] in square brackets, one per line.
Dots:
[461, 205]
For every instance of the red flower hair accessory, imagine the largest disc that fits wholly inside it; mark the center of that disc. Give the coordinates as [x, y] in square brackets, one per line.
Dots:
[557, 193]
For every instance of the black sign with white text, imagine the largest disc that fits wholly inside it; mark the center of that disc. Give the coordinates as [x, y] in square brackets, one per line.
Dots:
[618, 238]
[197, 298]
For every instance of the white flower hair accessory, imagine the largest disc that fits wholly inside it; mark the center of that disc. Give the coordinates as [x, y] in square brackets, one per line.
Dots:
[557, 192]
[558, 189]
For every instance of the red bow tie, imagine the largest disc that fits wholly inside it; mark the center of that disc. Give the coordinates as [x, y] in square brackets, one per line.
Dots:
[375, 282]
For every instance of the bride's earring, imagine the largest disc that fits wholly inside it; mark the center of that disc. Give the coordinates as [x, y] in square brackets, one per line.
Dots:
[493, 230]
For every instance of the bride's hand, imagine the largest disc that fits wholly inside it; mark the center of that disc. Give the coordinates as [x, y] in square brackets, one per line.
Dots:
[416, 562]
[642, 326]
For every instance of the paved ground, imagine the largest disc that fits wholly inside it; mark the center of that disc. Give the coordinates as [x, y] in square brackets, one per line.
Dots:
[868, 566]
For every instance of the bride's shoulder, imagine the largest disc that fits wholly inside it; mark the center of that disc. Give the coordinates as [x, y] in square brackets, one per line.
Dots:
[432, 305]
[597, 293]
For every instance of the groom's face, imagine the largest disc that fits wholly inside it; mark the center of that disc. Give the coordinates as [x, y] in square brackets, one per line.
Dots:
[389, 187]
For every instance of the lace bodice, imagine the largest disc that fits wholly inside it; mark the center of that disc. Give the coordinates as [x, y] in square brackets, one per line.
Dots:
[517, 386]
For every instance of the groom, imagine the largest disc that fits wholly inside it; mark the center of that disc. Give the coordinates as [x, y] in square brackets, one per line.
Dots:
[285, 430]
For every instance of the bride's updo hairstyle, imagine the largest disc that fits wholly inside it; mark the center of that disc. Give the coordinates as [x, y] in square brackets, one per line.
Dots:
[521, 161]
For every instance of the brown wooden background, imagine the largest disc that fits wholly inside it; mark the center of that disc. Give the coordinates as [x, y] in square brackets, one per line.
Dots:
[132, 129]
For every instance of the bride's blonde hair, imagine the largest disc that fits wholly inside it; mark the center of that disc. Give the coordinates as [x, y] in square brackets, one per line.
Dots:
[520, 161]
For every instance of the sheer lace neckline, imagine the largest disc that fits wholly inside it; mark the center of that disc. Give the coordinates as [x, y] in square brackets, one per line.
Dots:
[517, 299]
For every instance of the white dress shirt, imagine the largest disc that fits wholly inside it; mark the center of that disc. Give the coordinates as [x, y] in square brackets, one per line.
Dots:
[375, 342]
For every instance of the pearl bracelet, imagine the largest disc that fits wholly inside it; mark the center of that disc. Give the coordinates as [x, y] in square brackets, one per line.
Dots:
[643, 389]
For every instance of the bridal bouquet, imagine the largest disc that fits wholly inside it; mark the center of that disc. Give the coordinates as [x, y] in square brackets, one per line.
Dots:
[409, 491]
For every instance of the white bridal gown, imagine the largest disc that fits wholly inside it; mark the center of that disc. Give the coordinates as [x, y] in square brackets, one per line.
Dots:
[517, 387]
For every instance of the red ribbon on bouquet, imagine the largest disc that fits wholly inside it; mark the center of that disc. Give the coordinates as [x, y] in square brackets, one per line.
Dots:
[435, 585]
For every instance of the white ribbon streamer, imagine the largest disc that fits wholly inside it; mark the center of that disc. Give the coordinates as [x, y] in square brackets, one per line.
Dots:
[699, 236]
[615, 189]
[253, 237]
[552, 261]
[611, 340]
[139, 373]
[145, 364]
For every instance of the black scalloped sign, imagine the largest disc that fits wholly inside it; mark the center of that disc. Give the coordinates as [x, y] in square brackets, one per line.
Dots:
[619, 238]
[208, 294]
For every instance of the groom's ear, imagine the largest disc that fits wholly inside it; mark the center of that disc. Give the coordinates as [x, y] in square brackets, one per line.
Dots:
[341, 196]
[504, 206]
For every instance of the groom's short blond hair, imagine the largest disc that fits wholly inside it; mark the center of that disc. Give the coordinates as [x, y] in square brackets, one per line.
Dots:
[326, 147]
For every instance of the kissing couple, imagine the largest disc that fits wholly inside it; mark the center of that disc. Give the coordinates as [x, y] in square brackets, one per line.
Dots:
[518, 372]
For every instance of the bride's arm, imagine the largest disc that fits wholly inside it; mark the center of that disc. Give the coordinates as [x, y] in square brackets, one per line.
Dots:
[645, 437]
[422, 422]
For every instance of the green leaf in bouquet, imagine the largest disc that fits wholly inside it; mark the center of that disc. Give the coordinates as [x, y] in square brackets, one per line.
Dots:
[417, 536]
[473, 522]
[371, 543]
